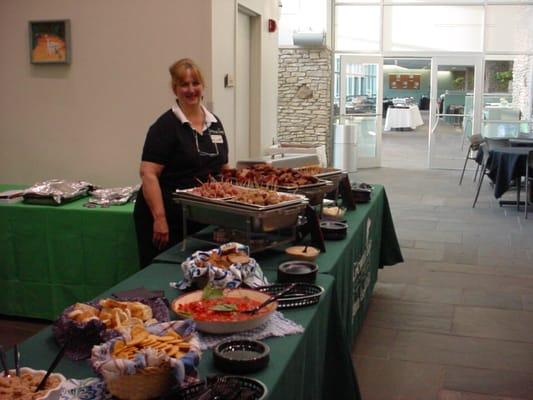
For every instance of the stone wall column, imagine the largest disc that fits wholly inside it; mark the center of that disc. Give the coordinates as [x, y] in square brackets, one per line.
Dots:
[304, 96]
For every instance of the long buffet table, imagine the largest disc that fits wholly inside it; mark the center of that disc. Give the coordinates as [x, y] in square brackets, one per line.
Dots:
[53, 256]
[314, 365]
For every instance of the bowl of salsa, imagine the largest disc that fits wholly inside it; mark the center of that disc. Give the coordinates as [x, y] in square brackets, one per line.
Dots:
[225, 313]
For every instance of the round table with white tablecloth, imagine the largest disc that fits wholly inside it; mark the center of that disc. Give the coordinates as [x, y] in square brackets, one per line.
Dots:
[406, 117]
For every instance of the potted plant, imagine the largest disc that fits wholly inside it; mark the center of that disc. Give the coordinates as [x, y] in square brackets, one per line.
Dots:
[503, 78]
[459, 82]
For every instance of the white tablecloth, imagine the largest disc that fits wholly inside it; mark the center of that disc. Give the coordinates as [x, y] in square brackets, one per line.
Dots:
[403, 118]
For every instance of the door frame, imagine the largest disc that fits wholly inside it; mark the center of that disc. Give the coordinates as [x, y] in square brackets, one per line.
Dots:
[364, 162]
[255, 79]
[477, 61]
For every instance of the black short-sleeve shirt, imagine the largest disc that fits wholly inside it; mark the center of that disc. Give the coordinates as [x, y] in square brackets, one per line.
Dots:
[171, 143]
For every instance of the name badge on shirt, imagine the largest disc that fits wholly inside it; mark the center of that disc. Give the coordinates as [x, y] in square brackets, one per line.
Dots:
[217, 139]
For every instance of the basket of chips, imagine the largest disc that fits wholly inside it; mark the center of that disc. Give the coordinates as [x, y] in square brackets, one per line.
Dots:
[146, 363]
[227, 266]
[84, 325]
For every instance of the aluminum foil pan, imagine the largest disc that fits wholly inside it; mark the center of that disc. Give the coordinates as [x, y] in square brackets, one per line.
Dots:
[112, 196]
[57, 189]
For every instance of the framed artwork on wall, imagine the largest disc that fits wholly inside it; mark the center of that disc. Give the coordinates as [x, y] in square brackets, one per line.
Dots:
[404, 81]
[50, 42]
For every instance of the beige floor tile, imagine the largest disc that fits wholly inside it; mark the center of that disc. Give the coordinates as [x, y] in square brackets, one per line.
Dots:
[394, 380]
[490, 382]
[433, 294]
[463, 351]
[493, 323]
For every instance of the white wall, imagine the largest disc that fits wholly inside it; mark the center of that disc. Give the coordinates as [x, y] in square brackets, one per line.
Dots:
[88, 120]
[224, 15]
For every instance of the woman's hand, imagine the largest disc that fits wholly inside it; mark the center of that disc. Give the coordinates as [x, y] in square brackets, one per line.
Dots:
[160, 237]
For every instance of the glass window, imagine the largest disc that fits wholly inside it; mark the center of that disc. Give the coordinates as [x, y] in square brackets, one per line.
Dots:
[357, 28]
[432, 1]
[433, 28]
[509, 28]
[301, 16]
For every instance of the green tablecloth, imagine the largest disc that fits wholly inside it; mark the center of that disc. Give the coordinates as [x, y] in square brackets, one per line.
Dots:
[371, 241]
[312, 365]
[53, 256]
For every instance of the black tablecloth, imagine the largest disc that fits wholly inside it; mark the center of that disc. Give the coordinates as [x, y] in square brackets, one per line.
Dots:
[505, 165]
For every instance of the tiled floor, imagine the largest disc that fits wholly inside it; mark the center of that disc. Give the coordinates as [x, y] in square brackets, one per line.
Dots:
[455, 321]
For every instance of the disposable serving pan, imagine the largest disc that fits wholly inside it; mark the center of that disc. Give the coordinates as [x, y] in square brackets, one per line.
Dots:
[49, 200]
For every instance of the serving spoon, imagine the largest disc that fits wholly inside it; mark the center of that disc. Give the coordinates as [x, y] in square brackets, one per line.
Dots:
[52, 367]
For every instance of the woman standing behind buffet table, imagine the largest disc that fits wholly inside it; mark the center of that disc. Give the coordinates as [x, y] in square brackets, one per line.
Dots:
[185, 144]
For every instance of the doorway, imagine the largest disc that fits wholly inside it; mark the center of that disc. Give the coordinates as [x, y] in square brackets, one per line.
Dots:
[455, 109]
[357, 123]
[406, 90]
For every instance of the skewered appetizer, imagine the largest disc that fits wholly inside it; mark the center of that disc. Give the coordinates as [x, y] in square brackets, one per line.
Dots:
[216, 190]
[266, 175]
[261, 197]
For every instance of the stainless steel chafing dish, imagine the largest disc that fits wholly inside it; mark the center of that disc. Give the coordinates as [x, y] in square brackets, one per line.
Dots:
[242, 216]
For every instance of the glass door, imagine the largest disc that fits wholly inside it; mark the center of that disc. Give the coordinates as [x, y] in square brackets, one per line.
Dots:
[357, 119]
[455, 109]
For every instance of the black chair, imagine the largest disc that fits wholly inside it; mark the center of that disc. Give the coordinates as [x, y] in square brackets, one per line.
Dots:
[475, 142]
[529, 180]
[488, 145]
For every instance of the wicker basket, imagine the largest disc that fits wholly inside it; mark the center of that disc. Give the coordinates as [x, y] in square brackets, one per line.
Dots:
[147, 383]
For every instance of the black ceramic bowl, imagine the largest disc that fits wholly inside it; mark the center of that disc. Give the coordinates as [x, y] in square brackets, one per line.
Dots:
[241, 356]
[333, 230]
[297, 271]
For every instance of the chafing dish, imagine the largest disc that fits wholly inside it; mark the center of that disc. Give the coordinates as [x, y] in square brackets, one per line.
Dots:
[247, 217]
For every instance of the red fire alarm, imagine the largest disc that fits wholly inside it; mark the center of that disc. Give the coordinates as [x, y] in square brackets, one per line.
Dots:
[272, 25]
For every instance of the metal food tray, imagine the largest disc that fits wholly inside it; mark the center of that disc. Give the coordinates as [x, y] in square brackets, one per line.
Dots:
[241, 216]
[314, 192]
[328, 173]
[298, 199]
[189, 194]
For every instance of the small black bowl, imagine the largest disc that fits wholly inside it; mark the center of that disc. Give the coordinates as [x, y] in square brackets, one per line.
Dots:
[334, 230]
[241, 356]
[361, 195]
[297, 271]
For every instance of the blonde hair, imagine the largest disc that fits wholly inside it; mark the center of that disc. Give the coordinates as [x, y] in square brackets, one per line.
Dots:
[177, 71]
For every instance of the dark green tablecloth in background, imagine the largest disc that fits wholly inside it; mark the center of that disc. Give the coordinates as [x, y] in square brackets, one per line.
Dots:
[53, 256]
[352, 288]
[312, 365]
